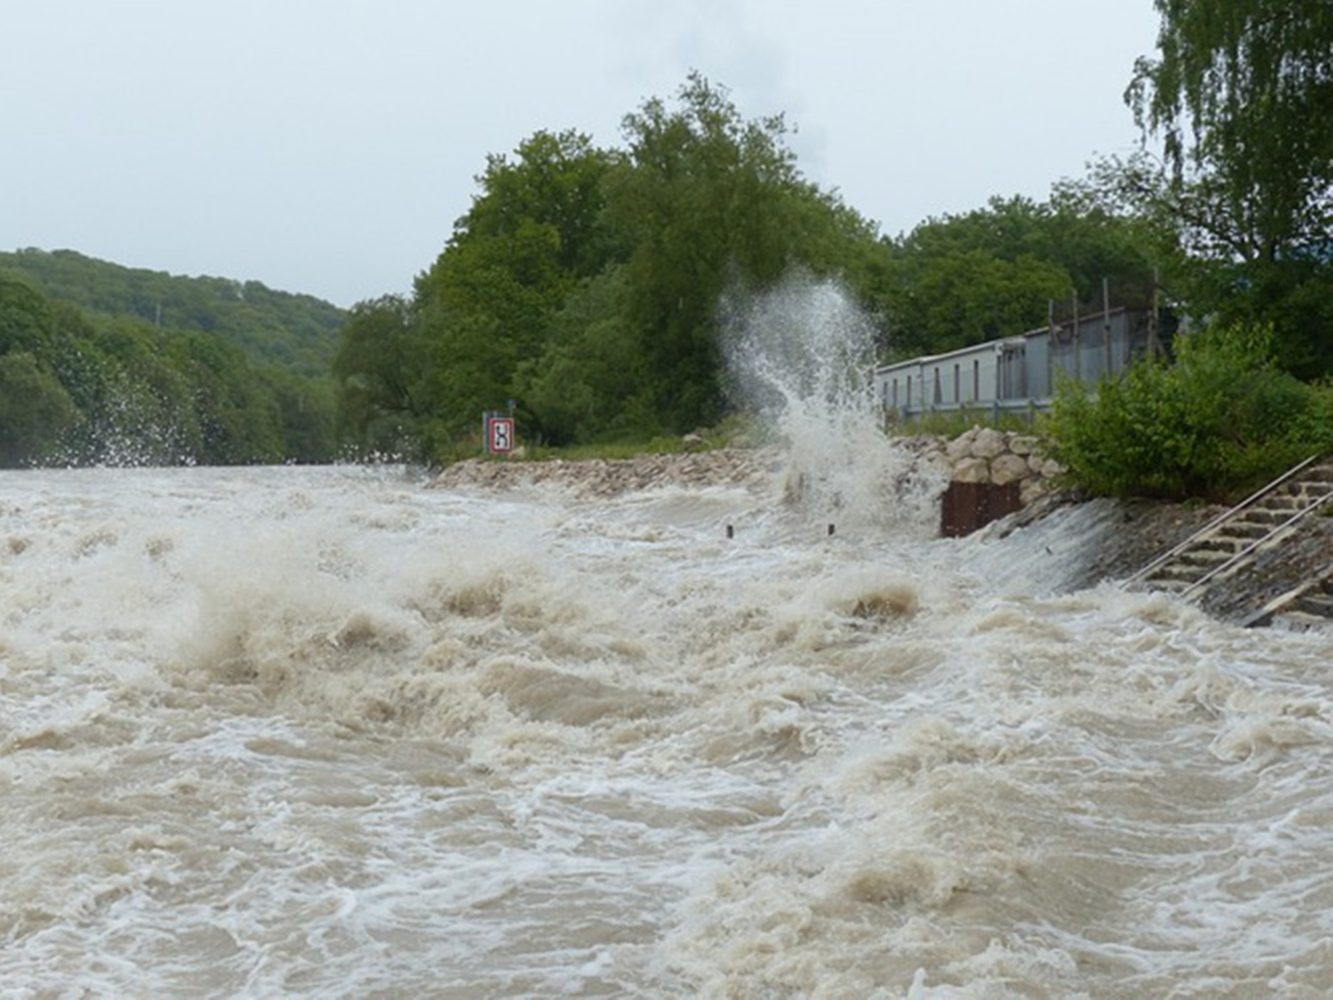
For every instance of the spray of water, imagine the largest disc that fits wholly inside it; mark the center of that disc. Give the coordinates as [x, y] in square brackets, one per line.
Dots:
[131, 429]
[801, 359]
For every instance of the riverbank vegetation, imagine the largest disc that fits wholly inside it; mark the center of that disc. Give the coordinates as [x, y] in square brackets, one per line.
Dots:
[1239, 94]
[1218, 422]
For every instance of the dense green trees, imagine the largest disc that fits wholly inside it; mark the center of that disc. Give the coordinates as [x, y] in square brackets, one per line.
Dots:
[81, 390]
[1241, 92]
[379, 369]
[35, 410]
[992, 272]
[583, 283]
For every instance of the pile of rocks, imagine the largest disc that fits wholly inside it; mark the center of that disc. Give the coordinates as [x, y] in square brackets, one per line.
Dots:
[598, 477]
[981, 455]
[986, 455]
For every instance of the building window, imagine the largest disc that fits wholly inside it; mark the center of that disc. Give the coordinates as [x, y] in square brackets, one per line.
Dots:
[976, 380]
[957, 386]
[908, 402]
[937, 386]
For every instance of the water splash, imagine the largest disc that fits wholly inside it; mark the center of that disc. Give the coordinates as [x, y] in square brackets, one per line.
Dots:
[801, 358]
[129, 430]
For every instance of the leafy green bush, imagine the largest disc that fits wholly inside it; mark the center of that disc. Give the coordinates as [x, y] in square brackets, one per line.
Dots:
[1221, 420]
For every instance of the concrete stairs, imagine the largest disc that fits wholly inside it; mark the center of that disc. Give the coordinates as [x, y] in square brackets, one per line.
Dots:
[1241, 535]
[1307, 606]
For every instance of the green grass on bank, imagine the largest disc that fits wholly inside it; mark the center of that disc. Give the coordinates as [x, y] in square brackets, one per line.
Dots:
[733, 432]
[951, 423]
[736, 431]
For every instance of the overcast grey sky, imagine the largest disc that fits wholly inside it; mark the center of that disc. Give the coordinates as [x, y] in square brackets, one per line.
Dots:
[327, 146]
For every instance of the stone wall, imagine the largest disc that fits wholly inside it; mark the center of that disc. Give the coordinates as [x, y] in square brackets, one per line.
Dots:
[986, 455]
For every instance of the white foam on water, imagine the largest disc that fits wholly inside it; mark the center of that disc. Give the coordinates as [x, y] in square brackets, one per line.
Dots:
[320, 731]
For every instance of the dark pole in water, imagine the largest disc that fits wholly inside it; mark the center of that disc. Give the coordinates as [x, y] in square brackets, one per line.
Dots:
[830, 530]
[731, 532]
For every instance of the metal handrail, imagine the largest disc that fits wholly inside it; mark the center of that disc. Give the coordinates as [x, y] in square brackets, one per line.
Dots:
[1182, 546]
[1240, 556]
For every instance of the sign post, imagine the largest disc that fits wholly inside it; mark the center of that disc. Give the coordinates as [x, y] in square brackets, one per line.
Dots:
[499, 432]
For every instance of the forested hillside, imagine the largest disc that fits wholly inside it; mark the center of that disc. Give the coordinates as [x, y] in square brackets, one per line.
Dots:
[296, 332]
[82, 388]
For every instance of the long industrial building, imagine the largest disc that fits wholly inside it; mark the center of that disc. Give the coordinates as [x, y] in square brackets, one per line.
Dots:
[1018, 374]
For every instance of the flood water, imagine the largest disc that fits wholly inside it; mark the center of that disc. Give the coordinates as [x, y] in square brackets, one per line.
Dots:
[327, 732]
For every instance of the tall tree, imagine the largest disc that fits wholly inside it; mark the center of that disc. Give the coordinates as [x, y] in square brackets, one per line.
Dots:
[1241, 94]
[378, 368]
[484, 308]
[35, 410]
[710, 199]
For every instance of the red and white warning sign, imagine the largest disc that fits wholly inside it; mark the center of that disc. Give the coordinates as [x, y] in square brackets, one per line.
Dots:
[499, 435]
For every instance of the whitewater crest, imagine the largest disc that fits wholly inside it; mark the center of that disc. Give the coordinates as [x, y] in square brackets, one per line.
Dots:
[801, 360]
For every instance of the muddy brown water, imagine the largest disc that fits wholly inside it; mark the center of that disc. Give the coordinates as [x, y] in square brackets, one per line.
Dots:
[328, 732]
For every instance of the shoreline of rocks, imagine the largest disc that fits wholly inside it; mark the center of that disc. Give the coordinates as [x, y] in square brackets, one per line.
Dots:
[604, 477]
[987, 455]
[980, 455]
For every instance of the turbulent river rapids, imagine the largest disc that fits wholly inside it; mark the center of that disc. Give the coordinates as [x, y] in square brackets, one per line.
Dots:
[329, 732]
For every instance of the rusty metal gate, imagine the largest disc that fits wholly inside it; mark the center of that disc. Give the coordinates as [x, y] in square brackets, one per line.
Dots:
[969, 506]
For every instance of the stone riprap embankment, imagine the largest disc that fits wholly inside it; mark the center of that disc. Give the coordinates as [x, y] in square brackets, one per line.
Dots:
[986, 455]
[980, 455]
[600, 477]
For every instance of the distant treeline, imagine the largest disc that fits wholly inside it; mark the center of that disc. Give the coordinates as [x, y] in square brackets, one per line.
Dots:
[82, 388]
[296, 332]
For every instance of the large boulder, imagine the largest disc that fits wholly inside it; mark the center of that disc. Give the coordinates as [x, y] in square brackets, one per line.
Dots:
[972, 470]
[961, 446]
[1022, 444]
[1008, 469]
[1030, 489]
[988, 443]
